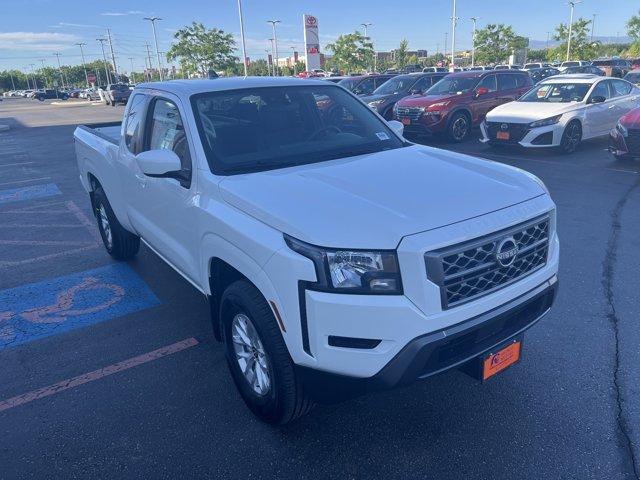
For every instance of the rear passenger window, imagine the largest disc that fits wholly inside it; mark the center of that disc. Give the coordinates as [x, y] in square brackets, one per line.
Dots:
[134, 120]
[601, 90]
[620, 88]
[522, 81]
[506, 82]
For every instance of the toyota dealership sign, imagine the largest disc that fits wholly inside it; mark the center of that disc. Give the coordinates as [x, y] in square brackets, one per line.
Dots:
[311, 42]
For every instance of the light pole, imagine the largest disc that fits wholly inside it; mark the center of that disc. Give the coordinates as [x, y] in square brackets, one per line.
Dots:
[548, 37]
[153, 21]
[473, 41]
[268, 52]
[104, 58]
[366, 26]
[60, 69]
[133, 76]
[454, 20]
[446, 34]
[573, 3]
[244, 47]
[84, 66]
[275, 41]
[593, 25]
[273, 65]
[33, 74]
[46, 79]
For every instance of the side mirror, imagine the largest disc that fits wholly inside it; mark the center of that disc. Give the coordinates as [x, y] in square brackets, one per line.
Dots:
[396, 126]
[481, 91]
[416, 92]
[160, 163]
[597, 99]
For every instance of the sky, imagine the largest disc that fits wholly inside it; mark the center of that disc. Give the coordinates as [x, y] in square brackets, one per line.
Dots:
[31, 30]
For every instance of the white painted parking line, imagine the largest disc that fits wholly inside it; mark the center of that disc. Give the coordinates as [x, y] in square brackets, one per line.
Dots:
[15, 164]
[24, 181]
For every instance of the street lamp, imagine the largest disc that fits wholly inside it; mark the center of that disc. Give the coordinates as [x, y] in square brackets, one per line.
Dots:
[46, 79]
[573, 3]
[454, 20]
[104, 58]
[133, 76]
[273, 65]
[293, 58]
[366, 25]
[84, 66]
[473, 41]
[593, 25]
[153, 21]
[244, 48]
[275, 40]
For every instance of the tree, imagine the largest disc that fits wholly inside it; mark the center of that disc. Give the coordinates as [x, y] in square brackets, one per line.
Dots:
[580, 45]
[352, 52]
[495, 43]
[200, 49]
[401, 54]
[633, 27]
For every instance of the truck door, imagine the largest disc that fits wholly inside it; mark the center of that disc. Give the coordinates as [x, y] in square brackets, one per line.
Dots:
[164, 207]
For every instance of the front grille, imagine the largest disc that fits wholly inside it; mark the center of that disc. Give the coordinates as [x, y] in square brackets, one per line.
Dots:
[517, 131]
[633, 141]
[470, 270]
[409, 112]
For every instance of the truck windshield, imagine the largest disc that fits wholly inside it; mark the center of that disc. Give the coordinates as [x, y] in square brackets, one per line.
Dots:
[449, 85]
[557, 92]
[266, 128]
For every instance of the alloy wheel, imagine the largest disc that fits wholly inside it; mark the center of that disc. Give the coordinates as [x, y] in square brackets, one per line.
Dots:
[250, 354]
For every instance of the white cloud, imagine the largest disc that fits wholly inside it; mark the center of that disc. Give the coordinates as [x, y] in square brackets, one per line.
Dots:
[74, 25]
[48, 41]
[122, 14]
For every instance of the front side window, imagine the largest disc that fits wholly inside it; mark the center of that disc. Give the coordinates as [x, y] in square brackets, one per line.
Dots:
[601, 90]
[489, 82]
[166, 131]
[134, 122]
[452, 85]
[266, 128]
[366, 86]
[397, 84]
[556, 93]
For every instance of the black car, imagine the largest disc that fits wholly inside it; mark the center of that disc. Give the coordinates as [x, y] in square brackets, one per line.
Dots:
[584, 69]
[613, 67]
[365, 84]
[46, 94]
[539, 74]
[385, 96]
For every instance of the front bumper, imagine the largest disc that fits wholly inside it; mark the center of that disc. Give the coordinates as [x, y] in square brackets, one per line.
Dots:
[618, 146]
[540, 137]
[438, 351]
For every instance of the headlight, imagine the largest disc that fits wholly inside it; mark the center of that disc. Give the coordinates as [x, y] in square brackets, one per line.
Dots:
[622, 129]
[545, 122]
[437, 105]
[352, 271]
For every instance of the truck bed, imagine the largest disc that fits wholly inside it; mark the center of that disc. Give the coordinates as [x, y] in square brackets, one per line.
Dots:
[108, 131]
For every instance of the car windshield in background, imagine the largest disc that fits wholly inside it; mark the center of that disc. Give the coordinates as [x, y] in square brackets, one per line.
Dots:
[570, 64]
[453, 85]
[632, 77]
[348, 83]
[265, 128]
[401, 83]
[557, 93]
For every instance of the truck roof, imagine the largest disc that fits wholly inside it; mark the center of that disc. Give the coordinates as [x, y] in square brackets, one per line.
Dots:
[190, 87]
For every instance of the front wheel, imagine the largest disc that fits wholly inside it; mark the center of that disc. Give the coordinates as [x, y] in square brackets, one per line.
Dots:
[258, 358]
[458, 127]
[119, 243]
[571, 137]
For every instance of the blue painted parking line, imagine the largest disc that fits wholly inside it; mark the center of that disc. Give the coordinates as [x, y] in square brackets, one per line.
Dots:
[54, 306]
[11, 195]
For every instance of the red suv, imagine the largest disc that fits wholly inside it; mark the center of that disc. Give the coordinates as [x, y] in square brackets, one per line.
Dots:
[460, 101]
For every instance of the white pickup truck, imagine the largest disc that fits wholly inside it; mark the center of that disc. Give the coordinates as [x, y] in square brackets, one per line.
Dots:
[337, 257]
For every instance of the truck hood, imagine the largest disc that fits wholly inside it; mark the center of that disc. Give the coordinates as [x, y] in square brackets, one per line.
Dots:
[373, 200]
[527, 112]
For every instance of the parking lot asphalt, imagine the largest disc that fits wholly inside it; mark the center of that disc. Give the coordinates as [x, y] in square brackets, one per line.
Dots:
[110, 370]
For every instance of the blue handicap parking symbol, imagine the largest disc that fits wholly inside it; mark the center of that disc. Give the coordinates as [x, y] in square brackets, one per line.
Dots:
[54, 306]
[28, 193]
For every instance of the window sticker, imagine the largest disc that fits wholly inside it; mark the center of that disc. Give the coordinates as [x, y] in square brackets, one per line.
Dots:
[382, 136]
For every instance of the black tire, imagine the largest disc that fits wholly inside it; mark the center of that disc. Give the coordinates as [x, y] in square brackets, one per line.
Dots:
[571, 137]
[458, 127]
[285, 399]
[122, 244]
[107, 101]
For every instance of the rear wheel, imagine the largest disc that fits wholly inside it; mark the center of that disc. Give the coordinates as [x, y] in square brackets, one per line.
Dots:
[119, 243]
[258, 358]
[571, 137]
[458, 127]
